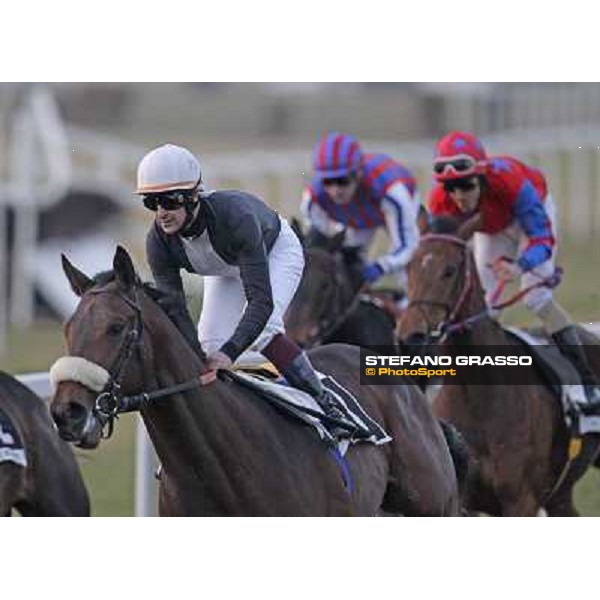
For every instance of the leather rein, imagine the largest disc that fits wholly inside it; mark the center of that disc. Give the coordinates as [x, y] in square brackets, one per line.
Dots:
[452, 324]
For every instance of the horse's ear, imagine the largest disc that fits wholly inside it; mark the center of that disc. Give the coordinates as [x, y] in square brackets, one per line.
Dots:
[123, 267]
[79, 281]
[467, 228]
[423, 220]
[297, 227]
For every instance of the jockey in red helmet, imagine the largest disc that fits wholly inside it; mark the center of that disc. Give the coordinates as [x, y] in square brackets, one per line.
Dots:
[459, 155]
[515, 238]
[361, 193]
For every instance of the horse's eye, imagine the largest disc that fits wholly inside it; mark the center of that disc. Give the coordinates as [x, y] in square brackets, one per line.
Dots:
[449, 271]
[116, 329]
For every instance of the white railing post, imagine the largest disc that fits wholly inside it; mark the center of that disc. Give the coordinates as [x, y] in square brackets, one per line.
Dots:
[25, 241]
[51, 138]
[37, 133]
[578, 202]
[3, 275]
[145, 466]
[551, 169]
[595, 221]
[22, 168]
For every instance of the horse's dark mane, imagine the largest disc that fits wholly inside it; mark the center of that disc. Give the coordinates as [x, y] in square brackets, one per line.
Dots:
[161, 298]
[103, 277]
[106, 277]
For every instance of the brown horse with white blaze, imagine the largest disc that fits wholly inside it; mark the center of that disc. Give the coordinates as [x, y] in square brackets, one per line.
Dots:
[224, 450]
[517, 434]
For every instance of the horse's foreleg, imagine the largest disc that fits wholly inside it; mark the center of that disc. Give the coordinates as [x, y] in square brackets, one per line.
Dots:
[526, 505]
[169, 504]
[562, 506]
[11, 484]
[5, 505]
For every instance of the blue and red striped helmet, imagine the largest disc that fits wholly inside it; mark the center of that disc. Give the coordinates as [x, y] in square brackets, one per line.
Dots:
[337, 155]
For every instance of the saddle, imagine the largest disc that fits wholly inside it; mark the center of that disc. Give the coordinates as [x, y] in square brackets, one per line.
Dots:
[267, 382]
[11, 444]
[561, 377]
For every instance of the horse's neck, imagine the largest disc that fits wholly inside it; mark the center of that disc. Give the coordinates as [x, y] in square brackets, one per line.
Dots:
[487, 332]
[201, 437]
[350, 288]
[187, 429]
[173, 358]
[482, 333]
[176, 364]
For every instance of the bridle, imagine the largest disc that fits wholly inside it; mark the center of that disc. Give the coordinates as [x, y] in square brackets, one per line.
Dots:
[337, 310]
[450, 323]
[108, 402]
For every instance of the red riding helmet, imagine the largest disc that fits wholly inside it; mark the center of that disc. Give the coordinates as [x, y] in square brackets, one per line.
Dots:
[458, 155]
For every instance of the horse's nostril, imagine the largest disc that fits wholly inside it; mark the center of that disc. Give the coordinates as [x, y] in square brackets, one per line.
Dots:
[77, 412]
[72, 417]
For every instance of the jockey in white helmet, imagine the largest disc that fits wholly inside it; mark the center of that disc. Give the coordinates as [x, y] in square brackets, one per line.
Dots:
[253, 260]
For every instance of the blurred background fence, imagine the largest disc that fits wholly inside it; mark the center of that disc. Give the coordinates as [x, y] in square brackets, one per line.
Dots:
[67, 186]
[68, 154]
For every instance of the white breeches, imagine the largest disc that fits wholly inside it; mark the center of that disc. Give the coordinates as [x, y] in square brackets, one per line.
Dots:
[225, 301]
[510, 242]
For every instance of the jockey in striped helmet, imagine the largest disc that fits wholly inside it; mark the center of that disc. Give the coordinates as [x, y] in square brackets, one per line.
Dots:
[362, 193]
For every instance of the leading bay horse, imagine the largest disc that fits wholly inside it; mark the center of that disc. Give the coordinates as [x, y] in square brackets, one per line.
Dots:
[49, 484]
[224, 450]
[517, 434]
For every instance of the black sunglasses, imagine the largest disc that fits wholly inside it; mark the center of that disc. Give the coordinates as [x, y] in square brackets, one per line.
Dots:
[167, 201]
[465, 186]
[344, 181]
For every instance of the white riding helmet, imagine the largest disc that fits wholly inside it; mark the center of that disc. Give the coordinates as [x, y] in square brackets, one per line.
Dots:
[168, 168]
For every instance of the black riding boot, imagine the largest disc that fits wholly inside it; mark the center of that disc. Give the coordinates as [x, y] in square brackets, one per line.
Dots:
[569, 344]
[301, 374]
